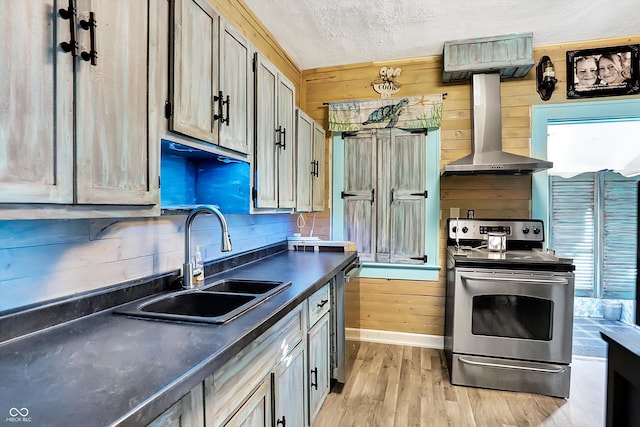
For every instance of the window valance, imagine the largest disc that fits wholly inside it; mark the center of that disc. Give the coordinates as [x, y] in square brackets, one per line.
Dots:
[412, 112]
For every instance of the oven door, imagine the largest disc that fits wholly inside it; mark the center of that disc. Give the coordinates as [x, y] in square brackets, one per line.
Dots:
[526, 315]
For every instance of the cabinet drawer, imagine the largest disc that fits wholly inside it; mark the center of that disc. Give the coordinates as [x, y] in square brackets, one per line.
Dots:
[318, 304]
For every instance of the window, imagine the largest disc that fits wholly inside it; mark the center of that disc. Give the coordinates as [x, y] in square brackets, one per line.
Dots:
[386, 200]
[594, 221]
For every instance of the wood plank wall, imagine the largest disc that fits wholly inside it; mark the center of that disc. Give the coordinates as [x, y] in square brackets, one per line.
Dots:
[409, 306]
[43, 260]
[239, 14]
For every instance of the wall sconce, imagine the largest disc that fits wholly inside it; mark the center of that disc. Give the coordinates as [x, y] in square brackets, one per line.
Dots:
[545, 78]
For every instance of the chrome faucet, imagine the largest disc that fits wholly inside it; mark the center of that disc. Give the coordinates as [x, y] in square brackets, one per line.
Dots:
[225, 244]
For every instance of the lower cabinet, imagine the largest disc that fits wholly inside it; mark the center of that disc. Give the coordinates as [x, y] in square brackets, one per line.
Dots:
[318, 335]
[256, 411]
[279, 380]
[288, 389]
[318, 341]
[186, 412]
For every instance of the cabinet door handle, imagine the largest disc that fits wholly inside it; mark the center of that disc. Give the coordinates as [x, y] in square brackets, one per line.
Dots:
[90, 25]
[226, 119]
[219, 99]
[282, 422]
[70, 14]
[322, 303]
[279, 136]
[392, 195]
[284, 138]
[314, 383]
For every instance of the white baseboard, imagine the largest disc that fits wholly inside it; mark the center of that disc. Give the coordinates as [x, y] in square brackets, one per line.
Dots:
[396, 338]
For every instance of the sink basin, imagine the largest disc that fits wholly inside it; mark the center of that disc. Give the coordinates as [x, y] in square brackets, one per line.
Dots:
[218, 302]
[197, 304]
[257, 287]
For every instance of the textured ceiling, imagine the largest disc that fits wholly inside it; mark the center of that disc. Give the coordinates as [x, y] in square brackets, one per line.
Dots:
[322, 33]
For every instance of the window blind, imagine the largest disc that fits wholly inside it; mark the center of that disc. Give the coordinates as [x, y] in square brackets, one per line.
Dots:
[572, 230]
[594, 221]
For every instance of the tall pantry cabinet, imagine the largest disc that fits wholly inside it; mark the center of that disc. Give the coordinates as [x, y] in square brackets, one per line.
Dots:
[74, 109]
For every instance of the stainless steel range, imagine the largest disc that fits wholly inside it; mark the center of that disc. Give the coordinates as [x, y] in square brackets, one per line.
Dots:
[509, 308]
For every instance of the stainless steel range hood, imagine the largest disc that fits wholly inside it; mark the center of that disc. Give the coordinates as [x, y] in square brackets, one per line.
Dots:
[487, 156]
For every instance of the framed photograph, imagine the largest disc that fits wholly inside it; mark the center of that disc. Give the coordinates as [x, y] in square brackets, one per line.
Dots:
[606, 71]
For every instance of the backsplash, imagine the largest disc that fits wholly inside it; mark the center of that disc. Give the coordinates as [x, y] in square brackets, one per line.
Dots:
[49, 259]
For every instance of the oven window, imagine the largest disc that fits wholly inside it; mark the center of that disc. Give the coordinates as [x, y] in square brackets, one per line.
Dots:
[512, 316]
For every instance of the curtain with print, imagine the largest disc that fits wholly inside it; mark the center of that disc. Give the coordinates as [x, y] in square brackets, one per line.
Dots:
[412, 112]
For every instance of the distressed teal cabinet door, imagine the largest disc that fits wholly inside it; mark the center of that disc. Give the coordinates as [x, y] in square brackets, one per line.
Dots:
[406, 188]
[115, 161]
[194, 69]
[187, 412]
[256, 411]
[236, 84]
[275, 171]
[36, 104]
[359, 193]
[288, 385]
[304, 135]
[318, 366]
[317, 180]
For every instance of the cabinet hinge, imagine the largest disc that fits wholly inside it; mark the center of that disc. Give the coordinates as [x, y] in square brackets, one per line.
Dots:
[418, 130]
[348, 134]
[420, 258]
[168, 110]
[424, 194]
[254, 194]
[158, 181]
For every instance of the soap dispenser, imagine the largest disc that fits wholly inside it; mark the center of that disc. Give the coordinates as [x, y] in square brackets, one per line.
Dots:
[198, 267]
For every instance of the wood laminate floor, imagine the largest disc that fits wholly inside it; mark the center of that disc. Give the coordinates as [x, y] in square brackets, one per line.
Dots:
[403, 386]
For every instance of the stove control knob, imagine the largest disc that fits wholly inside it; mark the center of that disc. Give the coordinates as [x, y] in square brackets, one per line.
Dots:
[525, 230]
[536, 230]
[465, 229]
[454, 229]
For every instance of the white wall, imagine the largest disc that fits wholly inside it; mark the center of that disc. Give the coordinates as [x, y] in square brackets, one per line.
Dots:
[43, 260]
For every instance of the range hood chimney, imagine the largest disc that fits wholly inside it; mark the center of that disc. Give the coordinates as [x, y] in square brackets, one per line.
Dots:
[487, 156]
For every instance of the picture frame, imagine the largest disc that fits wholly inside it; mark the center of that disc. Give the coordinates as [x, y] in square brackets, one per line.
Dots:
[606, 71]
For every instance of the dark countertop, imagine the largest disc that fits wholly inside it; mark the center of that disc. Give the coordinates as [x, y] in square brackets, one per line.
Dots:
[107, 369]
[625, 340]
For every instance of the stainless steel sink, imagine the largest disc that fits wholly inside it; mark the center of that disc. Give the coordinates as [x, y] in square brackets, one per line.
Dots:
[218, 302]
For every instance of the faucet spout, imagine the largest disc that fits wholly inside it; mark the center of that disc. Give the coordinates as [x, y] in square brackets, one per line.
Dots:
[225, 242]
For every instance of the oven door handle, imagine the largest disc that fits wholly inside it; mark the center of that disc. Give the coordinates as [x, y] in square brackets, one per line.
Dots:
[515, 279]
[352, 270]
[515, 367]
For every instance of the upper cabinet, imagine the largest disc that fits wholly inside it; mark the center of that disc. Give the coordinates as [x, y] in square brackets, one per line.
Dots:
[275, 151]
[236, 88]
[75, 113]
[211, 85]
[310, 164]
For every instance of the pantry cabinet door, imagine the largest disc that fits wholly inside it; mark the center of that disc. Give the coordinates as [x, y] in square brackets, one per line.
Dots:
[116, 149]
[36, 104]
[236, 84]
[194, 68]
